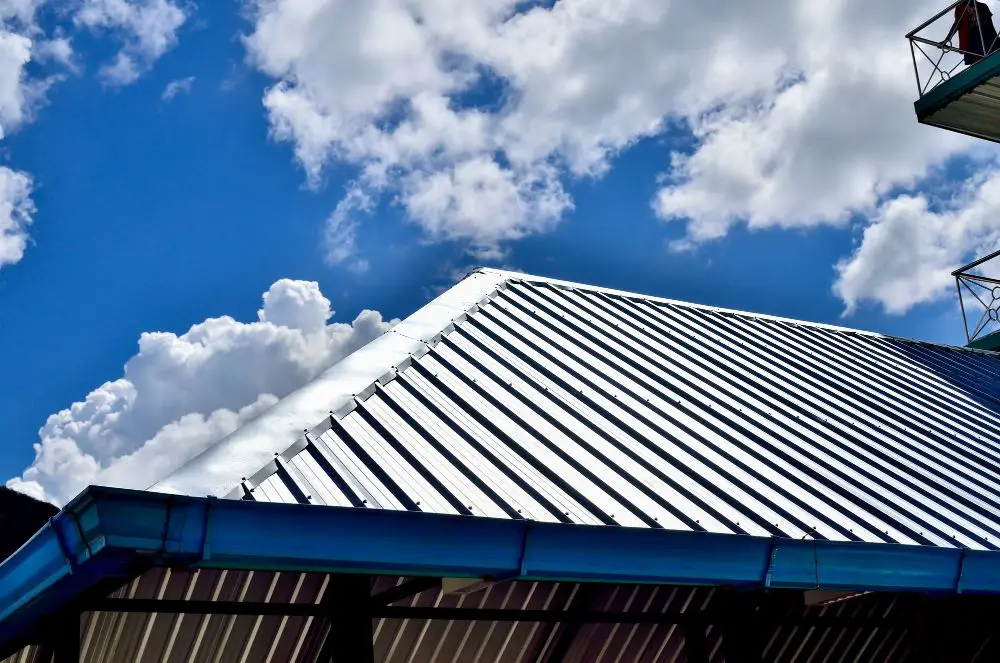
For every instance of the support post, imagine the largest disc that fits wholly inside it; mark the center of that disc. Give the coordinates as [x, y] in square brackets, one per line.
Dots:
[567, 632]
[923, 638]
[695, 642]
[350, 638]
[746, 625]
[65, 642]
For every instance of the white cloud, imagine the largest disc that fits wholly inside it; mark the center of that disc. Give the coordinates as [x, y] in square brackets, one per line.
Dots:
[180, 393]
[122, 70]
[801, 112]
[372, 84]
[58, 50]
[913, 243]
[16, 209]
[173, 88]
[21, 12]
[16, 91]
[340, 229]
[19, 95]
[62, 461]
[148, 29]
[480, 200]
[828, 144]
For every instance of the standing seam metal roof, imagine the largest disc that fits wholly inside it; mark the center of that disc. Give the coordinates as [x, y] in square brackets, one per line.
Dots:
[562, 402]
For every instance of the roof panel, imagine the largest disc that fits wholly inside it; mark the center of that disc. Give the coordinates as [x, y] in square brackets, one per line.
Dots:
[555, 401]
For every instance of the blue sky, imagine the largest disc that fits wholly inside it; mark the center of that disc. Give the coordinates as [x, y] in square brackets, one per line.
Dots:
[155, 215]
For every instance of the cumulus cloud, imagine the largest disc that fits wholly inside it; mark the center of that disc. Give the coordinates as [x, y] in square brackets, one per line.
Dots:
[15, 89]
[475, 115]
[914, 242]
[173, 88]
[147, 28]
[19, 12]
[375, 85]
[480, 200]
[182, 392]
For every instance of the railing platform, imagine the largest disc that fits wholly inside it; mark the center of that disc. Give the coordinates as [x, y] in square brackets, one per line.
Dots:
[979, 297]
[953, 94]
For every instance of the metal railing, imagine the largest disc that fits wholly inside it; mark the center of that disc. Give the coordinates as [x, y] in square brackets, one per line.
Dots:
[985, 292]
[935, 39]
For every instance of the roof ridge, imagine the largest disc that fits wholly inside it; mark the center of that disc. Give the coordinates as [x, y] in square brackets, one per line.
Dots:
[509, 275]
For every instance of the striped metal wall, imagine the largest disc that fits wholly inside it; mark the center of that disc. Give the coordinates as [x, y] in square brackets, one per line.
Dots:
[178, 638]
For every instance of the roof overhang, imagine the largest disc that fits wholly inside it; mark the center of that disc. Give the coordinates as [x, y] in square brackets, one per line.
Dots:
[108, 533]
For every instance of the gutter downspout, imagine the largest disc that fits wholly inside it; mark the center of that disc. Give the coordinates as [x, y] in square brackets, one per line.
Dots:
[73, 550]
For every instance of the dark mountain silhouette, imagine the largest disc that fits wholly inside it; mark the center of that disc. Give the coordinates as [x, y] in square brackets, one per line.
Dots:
[20, 517]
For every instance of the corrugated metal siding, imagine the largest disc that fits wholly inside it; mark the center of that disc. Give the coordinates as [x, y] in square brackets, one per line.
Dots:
[168, 638]
[404, 641]
[579, 405]
[29, 655]
[159, 638]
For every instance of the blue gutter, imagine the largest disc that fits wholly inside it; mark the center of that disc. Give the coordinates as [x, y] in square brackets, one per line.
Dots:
[953, 88]
[108, 533]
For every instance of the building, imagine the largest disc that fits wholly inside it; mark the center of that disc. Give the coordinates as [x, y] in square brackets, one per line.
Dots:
[539, 471]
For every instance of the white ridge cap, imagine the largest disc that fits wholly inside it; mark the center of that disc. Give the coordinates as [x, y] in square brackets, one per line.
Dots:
[244, 451]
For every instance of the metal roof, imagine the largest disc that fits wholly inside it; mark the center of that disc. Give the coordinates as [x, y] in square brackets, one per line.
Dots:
[975, 112]
[561, 402]
[529, 405]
